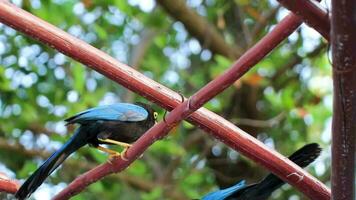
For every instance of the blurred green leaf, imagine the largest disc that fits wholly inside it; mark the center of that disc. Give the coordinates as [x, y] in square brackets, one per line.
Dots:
[153, 195]
[79, 76]
[26, 169]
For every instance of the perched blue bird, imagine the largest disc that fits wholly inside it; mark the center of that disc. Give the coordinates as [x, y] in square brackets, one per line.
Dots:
[262, 190]
[118, 124]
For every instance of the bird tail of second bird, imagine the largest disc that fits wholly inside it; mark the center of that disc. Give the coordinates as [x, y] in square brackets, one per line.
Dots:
[39, 176]
[302, 157]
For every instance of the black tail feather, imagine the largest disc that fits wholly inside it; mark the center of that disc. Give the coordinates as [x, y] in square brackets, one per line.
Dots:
[39, 176]
[302, 157]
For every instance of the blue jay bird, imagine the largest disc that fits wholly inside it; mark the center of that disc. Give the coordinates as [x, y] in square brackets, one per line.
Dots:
[262, 190]
[118, 124]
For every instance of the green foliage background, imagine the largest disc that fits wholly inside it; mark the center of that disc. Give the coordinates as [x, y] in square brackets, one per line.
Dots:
[285, 101]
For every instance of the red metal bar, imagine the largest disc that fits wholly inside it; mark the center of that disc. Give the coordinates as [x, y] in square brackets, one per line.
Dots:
[8, 186]
[135, 81]
[343, 43]
[311, 13]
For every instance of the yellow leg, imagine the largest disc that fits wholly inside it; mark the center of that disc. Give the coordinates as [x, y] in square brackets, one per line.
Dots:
[109, 151]
[109, 141]
[112, 153]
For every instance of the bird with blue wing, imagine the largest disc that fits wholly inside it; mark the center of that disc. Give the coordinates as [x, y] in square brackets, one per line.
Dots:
[117, 124]
[262, 190]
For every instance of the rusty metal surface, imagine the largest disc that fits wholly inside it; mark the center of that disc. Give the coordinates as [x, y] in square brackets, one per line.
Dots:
[343, 43]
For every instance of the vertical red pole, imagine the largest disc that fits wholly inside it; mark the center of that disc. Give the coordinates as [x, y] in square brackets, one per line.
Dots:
[343, 41]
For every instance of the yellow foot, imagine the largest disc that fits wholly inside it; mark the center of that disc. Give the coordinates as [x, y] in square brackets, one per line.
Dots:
[113, 154]
[116, 154]
[123, 153]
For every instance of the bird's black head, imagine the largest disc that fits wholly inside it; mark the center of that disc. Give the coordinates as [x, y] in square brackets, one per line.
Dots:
[152, 114]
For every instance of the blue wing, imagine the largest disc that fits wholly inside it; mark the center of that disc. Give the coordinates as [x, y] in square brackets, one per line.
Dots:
[116, 112]
[222, 194]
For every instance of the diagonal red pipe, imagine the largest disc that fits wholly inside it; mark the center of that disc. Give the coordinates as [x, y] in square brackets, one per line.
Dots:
[219, 127]
[312, 14]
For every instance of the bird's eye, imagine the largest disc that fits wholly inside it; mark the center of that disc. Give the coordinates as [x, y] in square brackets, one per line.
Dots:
[155, 115]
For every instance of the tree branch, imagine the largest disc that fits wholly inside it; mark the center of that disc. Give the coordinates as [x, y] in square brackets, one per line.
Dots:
[137, 55]
[260, 123]
[139, 50]
[261, 24]
[198, 27]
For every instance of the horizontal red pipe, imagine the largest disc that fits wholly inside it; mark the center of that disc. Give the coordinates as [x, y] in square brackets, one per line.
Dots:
[165, 97]
[311, 13]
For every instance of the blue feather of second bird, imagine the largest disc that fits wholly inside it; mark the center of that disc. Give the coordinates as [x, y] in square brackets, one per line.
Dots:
[116, 112]
[222, 194]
